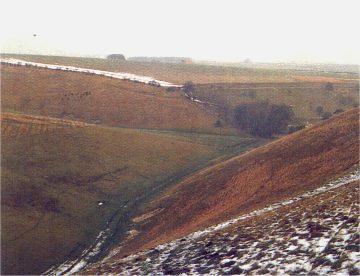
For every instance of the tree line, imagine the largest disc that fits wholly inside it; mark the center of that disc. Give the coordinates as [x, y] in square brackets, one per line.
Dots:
[263, 119]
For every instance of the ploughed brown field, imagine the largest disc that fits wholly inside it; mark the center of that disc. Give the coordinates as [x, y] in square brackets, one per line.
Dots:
[278, 170]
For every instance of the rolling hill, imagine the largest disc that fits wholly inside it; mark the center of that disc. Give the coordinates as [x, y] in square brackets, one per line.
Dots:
[63, 181]
[272, 173]
[101, 100]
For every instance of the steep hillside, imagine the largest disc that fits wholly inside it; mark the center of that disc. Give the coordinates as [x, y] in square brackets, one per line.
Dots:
[100, 100]
[198, 73]
[314, 233]
[276, 171]
[64, 181]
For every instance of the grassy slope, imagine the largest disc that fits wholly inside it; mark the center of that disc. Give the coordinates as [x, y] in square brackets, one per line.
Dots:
[264, 244]
[55, 172]
[180, 73]
[265, 175]
[303, 97]
[102, 100]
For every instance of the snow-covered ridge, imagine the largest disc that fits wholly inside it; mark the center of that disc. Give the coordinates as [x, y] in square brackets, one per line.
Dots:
[115, 75]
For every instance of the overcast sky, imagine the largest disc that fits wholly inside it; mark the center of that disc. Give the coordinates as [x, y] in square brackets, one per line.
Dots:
[224, 30]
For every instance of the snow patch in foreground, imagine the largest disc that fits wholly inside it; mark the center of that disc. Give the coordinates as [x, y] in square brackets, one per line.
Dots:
[304, 239]
[330, 186]
[321, 243]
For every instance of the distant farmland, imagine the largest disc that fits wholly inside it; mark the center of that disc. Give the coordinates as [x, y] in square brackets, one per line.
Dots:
[198, 73]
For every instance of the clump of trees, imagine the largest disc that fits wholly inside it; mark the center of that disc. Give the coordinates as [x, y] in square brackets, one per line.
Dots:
[339, 110]
[329, 86]
[322, 113]
[119, 57]
[171, 89]
[249, 94]
[346, 100]
[294, 128]
[263, 119]
[326, 115]
[319, 110]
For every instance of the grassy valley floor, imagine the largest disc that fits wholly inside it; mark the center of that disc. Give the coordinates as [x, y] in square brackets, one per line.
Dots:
[62, 180]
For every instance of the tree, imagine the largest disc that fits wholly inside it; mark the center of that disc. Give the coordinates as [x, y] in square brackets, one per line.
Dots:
[319, 110]
[293, 128]
[25, 101]
[263, 119]
[346, 100]
[171, 89]
[329, 86]
[326, 115]
[337, 111]
[189, 87]
[218, 123]
[116, 57]
[249, 94]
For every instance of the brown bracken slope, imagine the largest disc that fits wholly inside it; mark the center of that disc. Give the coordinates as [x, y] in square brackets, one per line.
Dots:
[284, 168]
[100, 100]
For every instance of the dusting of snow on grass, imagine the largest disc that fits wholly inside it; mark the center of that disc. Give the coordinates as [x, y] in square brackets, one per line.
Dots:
[71, 267]
[314, 233]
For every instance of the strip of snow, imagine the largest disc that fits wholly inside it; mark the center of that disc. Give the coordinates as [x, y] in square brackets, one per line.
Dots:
[115, 75]
[193, 99]
[71, 267]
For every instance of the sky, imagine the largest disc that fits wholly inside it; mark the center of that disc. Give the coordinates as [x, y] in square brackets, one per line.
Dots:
[310, 31]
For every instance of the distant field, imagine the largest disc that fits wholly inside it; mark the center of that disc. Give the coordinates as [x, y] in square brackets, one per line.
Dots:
[100, 100]
[56, 172]
[198, 73]
[303, 97]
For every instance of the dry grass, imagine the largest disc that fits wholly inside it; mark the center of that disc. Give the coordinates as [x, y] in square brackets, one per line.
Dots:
[101, 100]
[55, 172]
[278, 170]
[316, 234]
